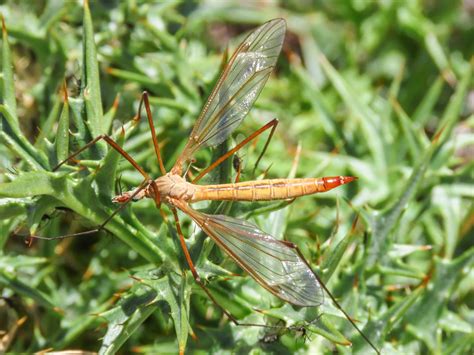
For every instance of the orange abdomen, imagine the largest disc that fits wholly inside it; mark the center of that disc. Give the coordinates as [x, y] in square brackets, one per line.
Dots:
[266, 190]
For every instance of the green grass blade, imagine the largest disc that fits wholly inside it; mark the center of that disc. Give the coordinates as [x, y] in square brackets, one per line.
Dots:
[452, 113]
[47, 128]
[425, 108]
[425, 314]
[77, 118]
[14, 139]
[92, 95]
[110, 114]
[409, 132]
[168, 42]
[62, 134]
[11, 207]
[20, 261]
[123, 320]
[8, 83]
[412, 19]
[363, 113]
[141, 79]
[38, 210]
[383, 224]
[378, 329]
[29, 184]
[176, 291]
[320, 107]
[328, 329]
[336, 254]
[81, 198]
[24, 288]
[436, 50]
[82, 324]
[171, 103]
[13, 145]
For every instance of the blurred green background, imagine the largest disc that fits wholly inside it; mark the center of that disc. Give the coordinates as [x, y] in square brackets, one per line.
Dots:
[382, 90]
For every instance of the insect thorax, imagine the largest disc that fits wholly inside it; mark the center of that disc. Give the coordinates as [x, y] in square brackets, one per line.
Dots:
[173, 186]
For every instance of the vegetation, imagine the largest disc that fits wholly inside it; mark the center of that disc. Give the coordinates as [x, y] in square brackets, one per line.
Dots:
[381, 90]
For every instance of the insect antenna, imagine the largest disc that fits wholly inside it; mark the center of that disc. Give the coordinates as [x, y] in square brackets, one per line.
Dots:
[123, 204]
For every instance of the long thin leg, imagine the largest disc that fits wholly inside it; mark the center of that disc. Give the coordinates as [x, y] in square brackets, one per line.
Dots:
[122, 152]
[193, 269]
[297, 249]
[270, 136]
[140, 187]
[114, 145]
[144, 100]
[197, 278]
[272, 124]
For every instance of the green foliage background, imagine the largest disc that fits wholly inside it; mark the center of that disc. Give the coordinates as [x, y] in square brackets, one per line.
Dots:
[381, 90]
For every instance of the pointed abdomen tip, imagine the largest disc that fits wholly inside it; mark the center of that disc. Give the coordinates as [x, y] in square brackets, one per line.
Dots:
[347, 179]
[335, 181]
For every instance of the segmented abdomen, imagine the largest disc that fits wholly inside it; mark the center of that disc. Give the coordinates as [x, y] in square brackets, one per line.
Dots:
[265, 190]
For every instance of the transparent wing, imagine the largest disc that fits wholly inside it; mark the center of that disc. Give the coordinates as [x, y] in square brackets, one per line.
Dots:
[274, 264]
[237, 88]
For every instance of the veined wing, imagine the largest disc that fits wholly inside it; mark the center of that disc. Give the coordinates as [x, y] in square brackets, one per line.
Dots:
[237, 88]
[274, 264]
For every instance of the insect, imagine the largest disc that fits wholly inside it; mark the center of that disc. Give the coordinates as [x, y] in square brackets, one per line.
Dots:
[298, 332]
[277, 265]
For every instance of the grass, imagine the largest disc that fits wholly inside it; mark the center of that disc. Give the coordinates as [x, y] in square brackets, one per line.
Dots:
[382, 91]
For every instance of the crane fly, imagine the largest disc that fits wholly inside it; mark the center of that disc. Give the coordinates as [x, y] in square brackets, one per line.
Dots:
[277, 265]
